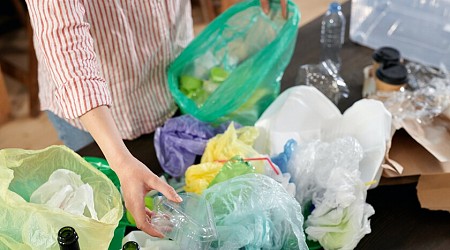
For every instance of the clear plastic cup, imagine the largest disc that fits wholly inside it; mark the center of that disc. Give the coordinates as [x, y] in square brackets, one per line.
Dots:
[189, 223]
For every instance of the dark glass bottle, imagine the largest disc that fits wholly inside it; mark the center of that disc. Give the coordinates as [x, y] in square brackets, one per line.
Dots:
[68, 239]
[131, 245]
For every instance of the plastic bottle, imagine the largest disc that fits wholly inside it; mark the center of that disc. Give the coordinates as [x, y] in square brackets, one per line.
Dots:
[68, 239]
[131, 245]
[332, 34]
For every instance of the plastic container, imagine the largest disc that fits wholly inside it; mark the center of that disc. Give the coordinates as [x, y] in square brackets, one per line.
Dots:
[332, 33]
[189, 223]
[419, 29]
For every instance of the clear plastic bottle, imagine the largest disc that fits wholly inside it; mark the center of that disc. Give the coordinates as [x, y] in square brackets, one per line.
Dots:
[332, 34]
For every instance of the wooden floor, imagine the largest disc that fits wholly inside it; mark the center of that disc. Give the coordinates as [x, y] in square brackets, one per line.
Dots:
[36, 133]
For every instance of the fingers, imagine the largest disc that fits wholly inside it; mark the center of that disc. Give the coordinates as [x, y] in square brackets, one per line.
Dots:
[265, 6]
[165, 189]
[283, 8]
[144, 223]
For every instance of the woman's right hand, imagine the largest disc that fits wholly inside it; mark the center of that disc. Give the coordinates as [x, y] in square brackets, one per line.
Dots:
[135, 178]
[136, 181]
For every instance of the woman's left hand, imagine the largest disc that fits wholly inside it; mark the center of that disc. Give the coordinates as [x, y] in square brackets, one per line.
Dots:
[266, 7]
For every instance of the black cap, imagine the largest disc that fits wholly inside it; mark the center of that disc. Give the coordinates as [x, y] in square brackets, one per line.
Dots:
[393, 73]
[386, 54]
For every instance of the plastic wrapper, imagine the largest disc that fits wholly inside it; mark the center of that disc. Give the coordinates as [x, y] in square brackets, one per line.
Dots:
[428, 95]
[234, 43]
[283, 158]
[303, 113]
[65, 190]
[253, 211]
[328, 180]
[189, 223]
[180, 141]
[325, 77]
[35, 226]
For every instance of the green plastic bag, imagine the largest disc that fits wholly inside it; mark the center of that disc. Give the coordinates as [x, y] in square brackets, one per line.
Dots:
[26, 225]
[252, 47]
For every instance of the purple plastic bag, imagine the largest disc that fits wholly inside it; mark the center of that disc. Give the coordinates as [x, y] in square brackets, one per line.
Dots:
[180, 140]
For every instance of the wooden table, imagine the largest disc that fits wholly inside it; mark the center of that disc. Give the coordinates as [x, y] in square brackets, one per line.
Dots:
[398, 222]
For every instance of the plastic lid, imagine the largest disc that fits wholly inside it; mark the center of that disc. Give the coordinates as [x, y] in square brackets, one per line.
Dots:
[67, 236]
[386, 54]
[392, 73]
[334, 7]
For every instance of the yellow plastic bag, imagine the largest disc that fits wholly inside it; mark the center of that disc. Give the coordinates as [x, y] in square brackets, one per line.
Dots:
[231, 143]
[25, 225]
[219, 149]
[199, 176]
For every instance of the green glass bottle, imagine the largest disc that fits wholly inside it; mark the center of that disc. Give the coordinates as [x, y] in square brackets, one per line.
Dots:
[68, 239]
[131, 245]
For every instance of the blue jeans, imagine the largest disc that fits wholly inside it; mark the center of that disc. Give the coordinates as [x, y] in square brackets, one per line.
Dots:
[73, 137]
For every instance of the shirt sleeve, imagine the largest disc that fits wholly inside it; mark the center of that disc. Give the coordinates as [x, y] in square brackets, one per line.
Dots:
[63, 40]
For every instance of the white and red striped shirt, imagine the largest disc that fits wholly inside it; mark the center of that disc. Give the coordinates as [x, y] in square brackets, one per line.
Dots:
[103, 52]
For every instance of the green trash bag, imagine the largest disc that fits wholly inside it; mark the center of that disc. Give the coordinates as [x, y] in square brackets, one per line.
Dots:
[232, 70]
[26, 225]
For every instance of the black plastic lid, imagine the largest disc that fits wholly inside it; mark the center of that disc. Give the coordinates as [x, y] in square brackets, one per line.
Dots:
[67, 236]
[386, 54]
[392, 73]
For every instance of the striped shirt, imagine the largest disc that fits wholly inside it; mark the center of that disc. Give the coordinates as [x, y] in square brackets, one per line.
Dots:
[109, 52]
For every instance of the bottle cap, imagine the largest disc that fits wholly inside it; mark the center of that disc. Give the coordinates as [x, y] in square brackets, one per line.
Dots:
[386, 54]
[67, 236]
[131, 245]
[393, 73]
[334, 7]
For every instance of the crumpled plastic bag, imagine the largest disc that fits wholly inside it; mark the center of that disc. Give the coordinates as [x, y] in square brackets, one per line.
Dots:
[26, 225]
[253, 211]
[198, 177]
[327, 176]
[231, 143]
[65, 190]
[180, 141]
[283, 158]
[303, 113]
[224, 147]
[232, 168]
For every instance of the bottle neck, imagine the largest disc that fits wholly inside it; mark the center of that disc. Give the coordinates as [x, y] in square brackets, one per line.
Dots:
[68, 239]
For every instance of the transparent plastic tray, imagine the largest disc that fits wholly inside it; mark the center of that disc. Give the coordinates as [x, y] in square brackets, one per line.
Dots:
[419, 29]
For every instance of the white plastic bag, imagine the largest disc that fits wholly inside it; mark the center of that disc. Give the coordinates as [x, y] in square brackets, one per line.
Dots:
[64, 189]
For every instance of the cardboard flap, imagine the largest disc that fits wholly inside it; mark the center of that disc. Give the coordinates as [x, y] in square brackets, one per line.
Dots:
[433, 191]
[414, 158]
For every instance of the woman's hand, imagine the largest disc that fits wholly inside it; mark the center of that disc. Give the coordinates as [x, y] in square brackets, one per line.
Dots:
[266, 7]
[135, 178]
[136, 181]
